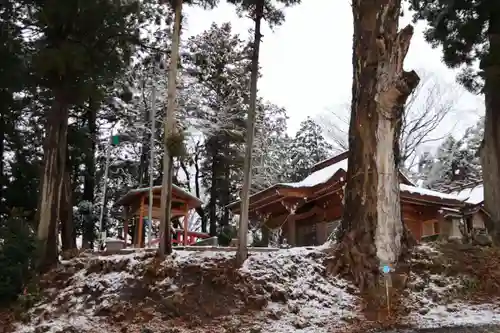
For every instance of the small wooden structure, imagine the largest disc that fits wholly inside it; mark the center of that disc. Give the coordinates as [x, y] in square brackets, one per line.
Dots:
[182, 238]
[474, 214]
[135, 205]
[308, 211]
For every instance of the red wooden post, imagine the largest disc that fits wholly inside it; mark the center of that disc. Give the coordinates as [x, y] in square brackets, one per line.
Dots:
[125, 227]
[186, 225]
[141, 222]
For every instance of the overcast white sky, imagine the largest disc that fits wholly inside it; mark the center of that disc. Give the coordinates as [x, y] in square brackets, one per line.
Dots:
[306, 62]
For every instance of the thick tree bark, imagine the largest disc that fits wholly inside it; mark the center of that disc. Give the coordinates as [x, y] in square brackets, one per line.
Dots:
[53, 170]
[372, 233]
[89, 174]
[2, 150]
[226, 195]
[199, 210]
[68, 234]
[214, 193]
[242, 254]
[490, 151]
[144, 161]
[171, 134]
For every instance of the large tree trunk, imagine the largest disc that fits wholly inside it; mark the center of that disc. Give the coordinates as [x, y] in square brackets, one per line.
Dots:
[199, 210]
[490, 152]
[171, 137]
[214, 193]
[226, 194]
[2, 149]
[89, 174]
[242, 254]
[145, 149]
[372, 232]
[68, 235]
[53, 170]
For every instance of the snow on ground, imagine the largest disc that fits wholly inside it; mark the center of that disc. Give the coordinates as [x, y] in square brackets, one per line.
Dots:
[315, 302]
[434, 298]
[458, 314]
[300, 297]
[94, 291]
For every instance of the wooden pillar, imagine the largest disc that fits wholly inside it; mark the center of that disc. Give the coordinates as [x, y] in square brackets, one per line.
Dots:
[321, 230]
[291, 230]
[141, 222]
[126, 217]
[265, 235]
[186, 225]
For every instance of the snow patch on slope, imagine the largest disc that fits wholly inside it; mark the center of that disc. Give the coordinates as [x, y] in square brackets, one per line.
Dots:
[434, 298]
[458, 314]
[315, 302]
[301, 297]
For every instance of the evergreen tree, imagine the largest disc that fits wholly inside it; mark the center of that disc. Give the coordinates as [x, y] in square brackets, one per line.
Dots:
[308, 148]
[13, 75]
[425, 162]
[447, 167]
[472, 140]
[456, 162]
[81, 47]
[218, 62]
[468, 33]
[17, 253]
[258, 11]
[271, 154]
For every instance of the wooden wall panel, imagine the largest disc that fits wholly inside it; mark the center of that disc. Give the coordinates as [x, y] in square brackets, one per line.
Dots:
[415, 228]
[413, 216]
[321, 232]
[291, 232]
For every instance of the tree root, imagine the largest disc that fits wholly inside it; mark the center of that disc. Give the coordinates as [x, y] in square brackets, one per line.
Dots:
[354, 258]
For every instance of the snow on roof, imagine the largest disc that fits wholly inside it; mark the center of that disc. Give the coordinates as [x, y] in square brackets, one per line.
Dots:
[321, 176]
[424, 191]
[176, 188]
[473, 195]
[327, 159]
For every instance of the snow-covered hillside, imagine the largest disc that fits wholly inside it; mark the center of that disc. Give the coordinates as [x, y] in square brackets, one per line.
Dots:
[280, 291]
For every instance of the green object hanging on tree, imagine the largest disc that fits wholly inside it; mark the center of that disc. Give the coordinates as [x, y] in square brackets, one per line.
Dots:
[115, 140]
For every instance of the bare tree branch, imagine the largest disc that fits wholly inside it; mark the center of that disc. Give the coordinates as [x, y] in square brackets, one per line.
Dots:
[426, 108]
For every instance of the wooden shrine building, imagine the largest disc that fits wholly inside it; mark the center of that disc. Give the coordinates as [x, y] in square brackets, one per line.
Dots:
[135, 206]
[308, 211]
[475, 215]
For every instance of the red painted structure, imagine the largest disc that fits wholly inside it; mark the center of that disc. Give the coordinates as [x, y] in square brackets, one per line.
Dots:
[135, 204]
[191, 237]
